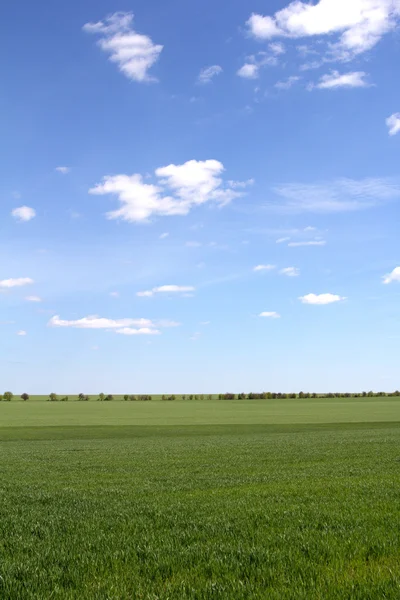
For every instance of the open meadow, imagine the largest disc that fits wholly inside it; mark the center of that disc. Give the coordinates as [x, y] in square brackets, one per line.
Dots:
[275, 499]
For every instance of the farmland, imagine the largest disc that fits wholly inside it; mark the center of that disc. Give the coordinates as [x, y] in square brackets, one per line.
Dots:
[278, 499]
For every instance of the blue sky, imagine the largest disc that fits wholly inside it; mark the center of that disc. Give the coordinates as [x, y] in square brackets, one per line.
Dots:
[200, 198]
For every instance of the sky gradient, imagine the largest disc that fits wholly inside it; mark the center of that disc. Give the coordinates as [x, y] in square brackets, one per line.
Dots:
[200, 198]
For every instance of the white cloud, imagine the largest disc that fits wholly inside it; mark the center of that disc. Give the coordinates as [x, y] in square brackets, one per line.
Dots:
[358, 24]
[114, 294]
[248, 71]
[341, 195]
[23, 213]
[270, 315]
[167, 289]
[95, 322]
[282, 240]
[290, 271]
[393, 123]
[207, 73]
[141, 331]
[63, 170]
[10, 283]
[33, 299]
[309, 243]
[133, 53]
[286, 84]
[163, 236]
[393, 276]
[179, 189]
[335, 80]
[264, 268]
[309, 228]
[277, 48]
[320, 298]
[21, 332]
[240, 184]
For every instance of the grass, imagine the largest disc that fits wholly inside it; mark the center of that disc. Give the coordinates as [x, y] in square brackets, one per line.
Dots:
[221, 508]
[210, 412]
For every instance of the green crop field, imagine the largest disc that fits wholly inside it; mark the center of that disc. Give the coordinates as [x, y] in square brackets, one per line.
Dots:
[272, 499]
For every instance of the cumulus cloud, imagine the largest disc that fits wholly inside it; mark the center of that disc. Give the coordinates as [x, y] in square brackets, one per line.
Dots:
[167, 289]
[33, 299]
[18, 282]
[248, 71]
[208, 73]
[290, 271]
[270, 315]
[341, 195]
[309, 243]
[320, 298]
[393, 276]
[264, 268]
[334, 80]
[393, 123]
[23, 213]
[63, 170]
[178, 190]
[134, 53]
[352, 27]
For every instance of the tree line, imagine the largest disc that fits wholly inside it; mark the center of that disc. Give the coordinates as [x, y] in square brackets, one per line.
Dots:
[53, 397]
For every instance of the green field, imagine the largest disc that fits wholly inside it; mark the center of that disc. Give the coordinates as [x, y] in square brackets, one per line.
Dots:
[273, 499]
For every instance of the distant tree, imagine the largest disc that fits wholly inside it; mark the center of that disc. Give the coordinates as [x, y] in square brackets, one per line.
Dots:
[53, 397]
[25, 396]
[81, 396]
[126, 397]
[109, 397]
[8, 396]
[1, 397]
[64, 399]
[101, 397]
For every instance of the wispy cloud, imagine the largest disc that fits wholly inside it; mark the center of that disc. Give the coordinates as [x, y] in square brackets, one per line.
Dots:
[334, 80]
[163, 236]
[167, 289]
[264, 268]
[134, 53]
[270, 315]
[307, 243]
[63, 170]
[208, 73]
[286, 84]
[282, 240]
[321, 298]
[18, 282]
[290, 271]
[23, 213]
[341, 195]
[122, 326]
[21, 332]
[33, 299]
